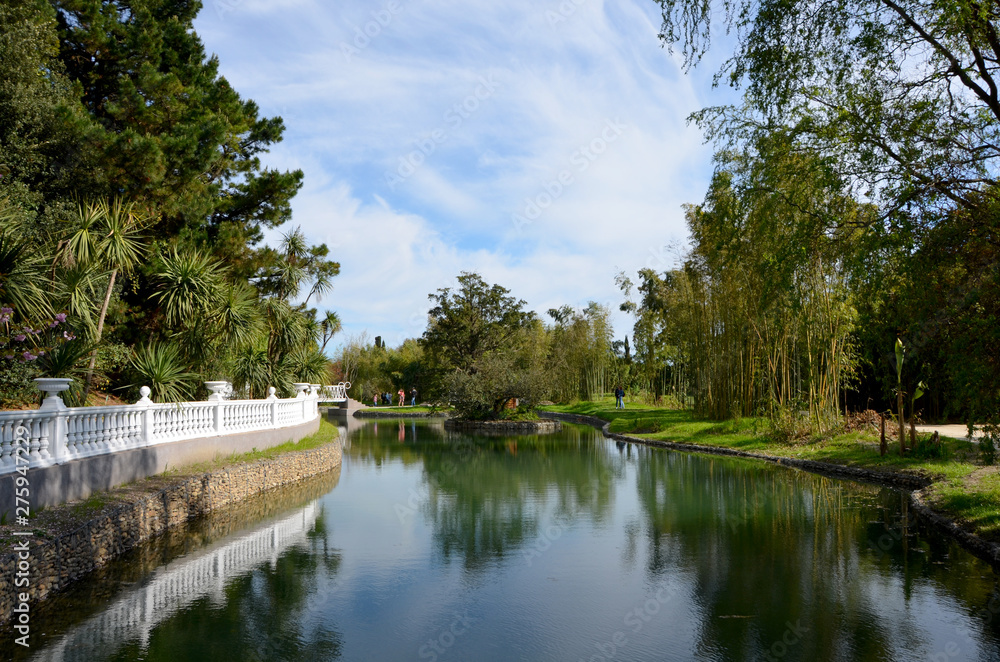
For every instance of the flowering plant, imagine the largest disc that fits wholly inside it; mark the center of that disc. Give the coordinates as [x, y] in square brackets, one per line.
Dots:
[25, 342]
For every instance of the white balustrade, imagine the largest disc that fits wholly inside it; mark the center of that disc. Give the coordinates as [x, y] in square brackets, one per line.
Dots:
[55, 433]
[334, 393]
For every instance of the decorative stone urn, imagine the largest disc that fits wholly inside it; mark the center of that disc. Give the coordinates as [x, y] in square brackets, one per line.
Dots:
[217, 389]
[52, 387]
[300, 389]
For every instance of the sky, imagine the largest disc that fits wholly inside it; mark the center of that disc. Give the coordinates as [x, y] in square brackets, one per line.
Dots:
[542, 144]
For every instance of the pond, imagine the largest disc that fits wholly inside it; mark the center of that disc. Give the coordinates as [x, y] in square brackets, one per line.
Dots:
[435, 545]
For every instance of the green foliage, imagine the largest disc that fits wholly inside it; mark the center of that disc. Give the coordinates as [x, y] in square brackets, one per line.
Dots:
[23, 283]
[252, 372]
[374, 370]
[188, 285]
[309, 365]
[160, 367]
[580, 362]
[16, 387]
[476, 319]
[491, 391]
[760, 316]
[122, 105]
[899, 96]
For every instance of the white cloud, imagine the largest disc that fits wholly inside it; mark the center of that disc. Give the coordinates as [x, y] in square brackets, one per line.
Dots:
[557, 80]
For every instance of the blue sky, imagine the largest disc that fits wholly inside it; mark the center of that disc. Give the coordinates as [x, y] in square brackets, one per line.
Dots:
[541, 144]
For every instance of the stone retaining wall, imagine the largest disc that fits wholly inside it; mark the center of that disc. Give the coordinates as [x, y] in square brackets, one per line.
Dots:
[54, 564]
[51, 486]
[988, 551]
[541, 426]
[374, 413]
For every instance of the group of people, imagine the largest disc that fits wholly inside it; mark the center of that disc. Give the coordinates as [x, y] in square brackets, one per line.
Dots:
[386, 398]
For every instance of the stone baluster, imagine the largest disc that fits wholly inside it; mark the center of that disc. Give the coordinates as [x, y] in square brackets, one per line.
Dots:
[147, 416]
[273, 402]
[54, 436]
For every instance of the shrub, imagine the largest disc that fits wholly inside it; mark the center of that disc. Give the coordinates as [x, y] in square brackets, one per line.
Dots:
[497, 382]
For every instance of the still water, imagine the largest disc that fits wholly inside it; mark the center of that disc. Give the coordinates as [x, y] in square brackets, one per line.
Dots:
[434, 545]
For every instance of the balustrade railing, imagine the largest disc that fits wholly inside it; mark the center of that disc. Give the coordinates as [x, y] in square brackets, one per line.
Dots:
[55, 433]
[335, 392]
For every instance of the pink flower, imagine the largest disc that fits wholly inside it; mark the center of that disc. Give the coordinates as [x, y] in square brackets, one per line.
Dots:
[28, 356]
[20, 337]
[61, 317]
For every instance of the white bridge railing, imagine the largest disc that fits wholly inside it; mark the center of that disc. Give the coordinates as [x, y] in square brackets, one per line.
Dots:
[56, 434]
[335, 392]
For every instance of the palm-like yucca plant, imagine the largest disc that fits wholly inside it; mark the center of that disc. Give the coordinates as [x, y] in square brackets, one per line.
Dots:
[238, 318]
[23, 280]
[75, 291]
[286, 328]
[159, 366]
[251, 371]
[189, 284]
[329, 327]
[309, 365]
[107, 236]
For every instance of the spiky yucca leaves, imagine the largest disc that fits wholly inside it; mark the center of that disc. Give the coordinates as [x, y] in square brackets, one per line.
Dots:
[160, 367]
[287, 328]
[75, 291]
[188, 286]
[309, 365]
[253, 372]
[238, 320]
[23, 279]
[329, 327]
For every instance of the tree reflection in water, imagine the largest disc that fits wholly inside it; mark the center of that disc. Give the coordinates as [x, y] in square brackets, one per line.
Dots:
[817, 559]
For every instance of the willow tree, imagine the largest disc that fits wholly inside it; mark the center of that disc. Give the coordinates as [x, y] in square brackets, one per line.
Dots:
[900, 95]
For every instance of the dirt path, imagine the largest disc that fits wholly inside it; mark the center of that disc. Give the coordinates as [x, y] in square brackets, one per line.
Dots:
[953, 431]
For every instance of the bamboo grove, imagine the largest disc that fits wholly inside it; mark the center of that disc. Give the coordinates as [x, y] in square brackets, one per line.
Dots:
[758, 319]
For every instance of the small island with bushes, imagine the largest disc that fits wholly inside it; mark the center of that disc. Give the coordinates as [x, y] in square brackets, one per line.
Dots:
[481, 337]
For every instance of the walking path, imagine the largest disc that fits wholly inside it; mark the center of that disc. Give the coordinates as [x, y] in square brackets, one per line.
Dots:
[953, 431]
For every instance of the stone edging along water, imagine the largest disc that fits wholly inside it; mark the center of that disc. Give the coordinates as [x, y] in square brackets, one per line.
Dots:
[374, 413]
[541, 426]
[54, 564]
[915, 485]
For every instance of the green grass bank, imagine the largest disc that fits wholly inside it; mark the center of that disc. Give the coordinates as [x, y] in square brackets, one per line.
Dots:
[963, 488]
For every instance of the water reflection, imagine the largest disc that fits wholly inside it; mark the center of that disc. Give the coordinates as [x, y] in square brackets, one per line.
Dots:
[178, 585]
[783, 555]
[556, 547]
[487, 495]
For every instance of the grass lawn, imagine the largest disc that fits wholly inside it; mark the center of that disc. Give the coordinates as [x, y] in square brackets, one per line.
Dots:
[963, 487]
[419, 409]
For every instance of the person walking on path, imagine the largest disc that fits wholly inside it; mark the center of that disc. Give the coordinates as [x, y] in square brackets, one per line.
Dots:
[619, 397]
[402, 397]
[413, 396]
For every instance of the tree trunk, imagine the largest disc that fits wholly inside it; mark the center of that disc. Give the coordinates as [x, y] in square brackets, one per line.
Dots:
[100, 330]
[882, 445]
[902, 423]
